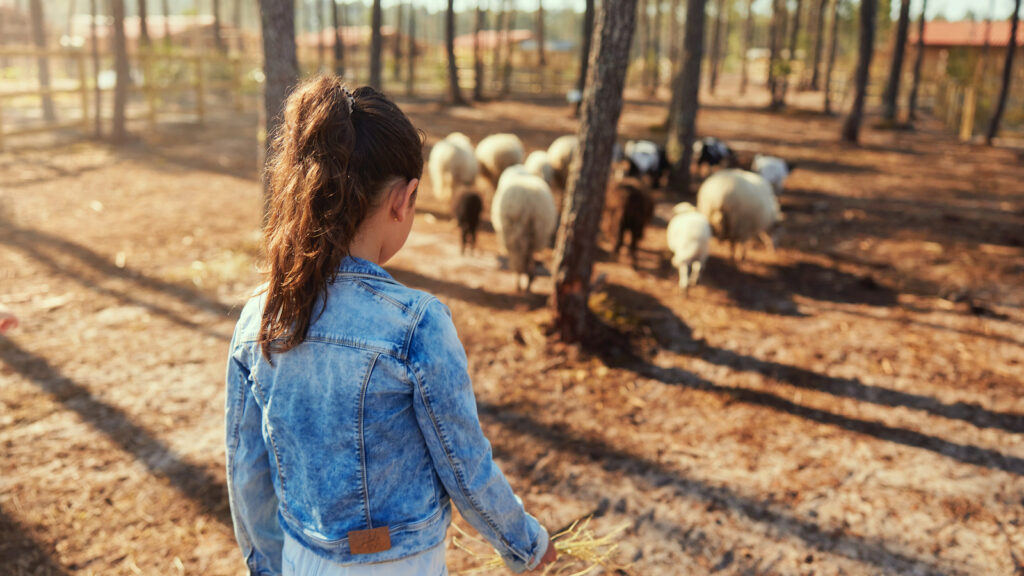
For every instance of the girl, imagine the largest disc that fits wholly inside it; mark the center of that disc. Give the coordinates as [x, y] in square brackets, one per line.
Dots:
[351, 421]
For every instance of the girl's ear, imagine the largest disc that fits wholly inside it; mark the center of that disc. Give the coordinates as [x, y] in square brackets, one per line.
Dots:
[403, 199]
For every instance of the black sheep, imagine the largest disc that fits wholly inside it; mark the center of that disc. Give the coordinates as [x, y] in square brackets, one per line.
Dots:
[467, 209]
[713, 152]
[637, 210]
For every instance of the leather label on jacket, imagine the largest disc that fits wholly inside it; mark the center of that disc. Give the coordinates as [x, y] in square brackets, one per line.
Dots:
[369, 541]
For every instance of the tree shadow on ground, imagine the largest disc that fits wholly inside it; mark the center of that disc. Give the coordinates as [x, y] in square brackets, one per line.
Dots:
[20, 552]
[478, 296]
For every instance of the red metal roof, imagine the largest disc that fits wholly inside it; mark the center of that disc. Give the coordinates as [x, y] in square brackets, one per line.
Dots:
[966, 34]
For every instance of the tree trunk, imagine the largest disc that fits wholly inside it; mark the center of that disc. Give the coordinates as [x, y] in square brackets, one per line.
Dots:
[918, 61]
[143, 26]
[656, 50]
[39, 39]
[98, 94]
[674, 42]
[375, 47]
[499, 24]
[166, 6]
[339, 41]
[683, 123]
[588, 174]
[454, 94]
[541, 59]
[866, 49]
[716, 46]
[411, 52]
[833, 48]
[396, 64]
[748, 37]
[1004, 92]
[236, 21]
[587, 36]
[280, 65]
[640, 40]
[794, 32]
[819, 37]
[773, 47]
[478, 61]
[506, 39]
[119, 132]
[321, 42]
[218, 36]
[986, 43]
[892, 87]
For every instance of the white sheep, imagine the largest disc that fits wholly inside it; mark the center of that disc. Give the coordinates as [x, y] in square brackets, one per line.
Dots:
[774, 169]
[451, 164]
[497, 152]
[560, 155]
[538, 165]
[523, 215]
[689, 239]
[740, 205]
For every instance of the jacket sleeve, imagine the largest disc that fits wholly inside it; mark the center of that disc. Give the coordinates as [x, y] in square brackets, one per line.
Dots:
[446, 411]
[250, 488]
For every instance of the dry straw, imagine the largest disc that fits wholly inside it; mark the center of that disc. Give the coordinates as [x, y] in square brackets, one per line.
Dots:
[576, 545]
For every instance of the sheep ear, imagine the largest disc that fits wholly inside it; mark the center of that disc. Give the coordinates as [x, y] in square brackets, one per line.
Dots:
[790, 166]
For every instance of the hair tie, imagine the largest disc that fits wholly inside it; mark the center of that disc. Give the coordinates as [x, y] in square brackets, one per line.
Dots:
[349, 98]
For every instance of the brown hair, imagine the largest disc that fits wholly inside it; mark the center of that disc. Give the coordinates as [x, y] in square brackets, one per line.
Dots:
[331, 160]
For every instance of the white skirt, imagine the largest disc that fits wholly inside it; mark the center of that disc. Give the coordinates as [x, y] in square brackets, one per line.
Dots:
[296, 560]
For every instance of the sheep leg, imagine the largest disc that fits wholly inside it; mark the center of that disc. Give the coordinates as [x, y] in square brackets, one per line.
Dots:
[684, 275]
[622, 238]
[695, 270]
[766, 238]
[633, 242]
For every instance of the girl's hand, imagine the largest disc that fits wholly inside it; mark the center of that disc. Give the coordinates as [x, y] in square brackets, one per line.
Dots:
[549, 557]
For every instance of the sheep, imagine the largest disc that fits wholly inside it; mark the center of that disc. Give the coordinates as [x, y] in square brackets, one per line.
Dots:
[467, 208]
[560, 155]
[774, 169]
[538, 165]
[451, 164]
[646, 160]
[689, 239]
[637, 209]
[523, 215]
[496, 153]
[740, 205]
[711, 152]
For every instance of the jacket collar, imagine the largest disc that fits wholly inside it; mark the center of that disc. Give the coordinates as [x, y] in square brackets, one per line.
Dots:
[354, 265]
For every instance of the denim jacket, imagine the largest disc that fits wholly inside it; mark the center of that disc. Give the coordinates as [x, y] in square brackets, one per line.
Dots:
[371, 422]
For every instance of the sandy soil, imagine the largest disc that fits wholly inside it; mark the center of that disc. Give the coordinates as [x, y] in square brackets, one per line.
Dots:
[850, 404]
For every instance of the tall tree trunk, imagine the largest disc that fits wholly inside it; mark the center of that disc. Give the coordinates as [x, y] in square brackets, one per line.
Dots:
[321, 42]
[716, 46]
[499, 24]
[794, 32]
[587, 37]
[396, 64]
[773, 46]
[166, 6]
[655, 78]
[98, 92]
[478, 61]
[411, 52]
[218, 35]
[675, 43]
[833, 49]
[119, 132]
[541, 59]
[892, 87]
[682, 127]
[1004, 92]
[866, 49]
[236, 22]
[375, 47]
[748, 37]
[43, 62]
[506, 39]
[143, 26]
[819, 38]
[339, 40]
[280, 65]
[986, 43]
[643, 26]
[588, 174]
[918, 62]
[454, 94]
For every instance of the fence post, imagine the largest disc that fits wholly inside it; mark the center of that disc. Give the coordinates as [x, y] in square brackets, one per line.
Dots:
[200, 106]
[84, 89]
[967, 115]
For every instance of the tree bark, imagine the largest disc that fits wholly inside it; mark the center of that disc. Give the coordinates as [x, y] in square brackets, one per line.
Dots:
[396, 53]
[716, 46]
[587, 36]
[454, 94]
[1004, 92]
[143, 25]
[674, 42]
[773, 47]
[236, 21]
[39, 39]
[892, 87]
[506, 40]
[119, 132]
[865, 51]
[499, 24]
[411, 53]
[339, 41]
[541, 58]
[683, 123]
[218, 35]
[794, 32]
[656, 50]
[588, 174]
[321, 43]
[166, 5]
[375, 47]
[819, 37]
[833, 48]
[98, 93]
[748, 37]
[918, 62]
[280, 64]
[478, 61]
[640, 40]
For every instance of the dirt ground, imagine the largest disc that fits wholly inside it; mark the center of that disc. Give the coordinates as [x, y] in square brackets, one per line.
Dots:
[851, 404]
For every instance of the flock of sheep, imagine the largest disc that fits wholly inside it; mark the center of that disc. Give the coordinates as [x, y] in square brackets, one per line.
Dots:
[733, 205]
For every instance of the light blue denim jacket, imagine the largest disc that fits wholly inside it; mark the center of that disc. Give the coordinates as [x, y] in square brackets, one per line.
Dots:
[370, 422]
